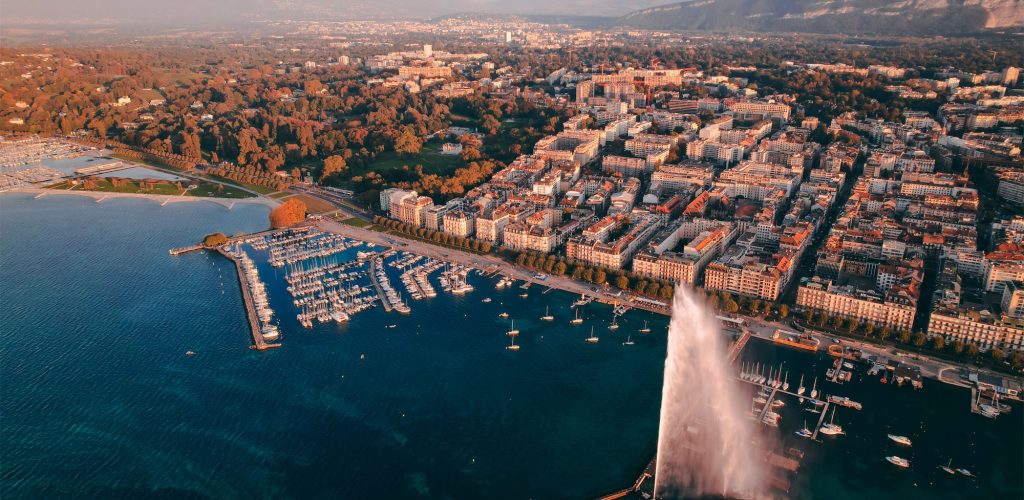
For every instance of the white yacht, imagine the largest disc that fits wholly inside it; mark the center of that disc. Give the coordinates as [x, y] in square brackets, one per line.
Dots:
[899, 462]
[904, 440]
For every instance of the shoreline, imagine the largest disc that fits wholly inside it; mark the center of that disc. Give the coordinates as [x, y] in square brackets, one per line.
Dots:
[931, 368]
[162, 199]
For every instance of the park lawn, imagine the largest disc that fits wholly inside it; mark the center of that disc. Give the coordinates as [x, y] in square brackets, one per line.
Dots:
[357, 222]
[280, 195]
[429, 156]
[209, 189]
[315, 205]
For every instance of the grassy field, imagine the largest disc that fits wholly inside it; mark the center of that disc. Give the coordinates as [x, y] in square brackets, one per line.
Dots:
[430, 157]
[315, 205]
[204, 189]
[357, 222]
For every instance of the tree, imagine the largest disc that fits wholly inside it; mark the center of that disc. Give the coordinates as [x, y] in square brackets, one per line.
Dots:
[407, 142]
[783, 311]
[560, 268]
[215, 240]
[600, 277]
[333, 164]
[972, 349]
[809, 315]
[622, 282]
[959, 347]
[730, 306]
[869, 328]
[904, 336]
[920, 339]
[1017, 360]
[588, 274]
[997, 355]
[653, 289]
[292, 211]
[884, 333]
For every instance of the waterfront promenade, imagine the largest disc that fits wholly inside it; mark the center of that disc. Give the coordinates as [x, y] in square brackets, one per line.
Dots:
[162, 199]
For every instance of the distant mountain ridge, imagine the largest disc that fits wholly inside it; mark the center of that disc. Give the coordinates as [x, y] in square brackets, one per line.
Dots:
[901, 17]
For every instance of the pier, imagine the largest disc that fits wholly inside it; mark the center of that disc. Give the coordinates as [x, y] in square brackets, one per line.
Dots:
[768, 405]
[380, 292]
[821, 420]
[250, 308]
[736, 348]
[183, 250]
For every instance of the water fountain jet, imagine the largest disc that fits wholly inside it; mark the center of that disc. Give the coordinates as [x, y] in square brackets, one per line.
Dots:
[706, 444]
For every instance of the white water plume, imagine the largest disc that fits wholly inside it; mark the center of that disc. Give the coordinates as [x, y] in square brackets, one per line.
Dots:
[705, 442]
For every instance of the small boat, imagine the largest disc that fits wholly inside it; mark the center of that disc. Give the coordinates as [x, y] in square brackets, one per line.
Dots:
[578, 320]
[503, 315]
[948, 468]
[965, 472]
[486, 301]
[831, 429]
[645, 329]
[391, 326]
[592, 339]
[190, 353]
[629, 340]
[785, 384]
[547, 315]
[814, 388]
[513, 332]
[524, 295]
[800, 390]
[760, 400]
[778, 403]
[904, 440]
[899, 462]
[805, 432]
[614, 325]
[512, 346]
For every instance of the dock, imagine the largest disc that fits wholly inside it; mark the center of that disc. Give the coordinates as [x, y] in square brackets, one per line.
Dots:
[821, 420]
[734, 351]
[768, 405]
[183, 250]
[250, 309]
[380, 292]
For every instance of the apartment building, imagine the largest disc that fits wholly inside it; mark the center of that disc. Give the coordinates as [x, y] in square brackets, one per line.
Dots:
[894, 308]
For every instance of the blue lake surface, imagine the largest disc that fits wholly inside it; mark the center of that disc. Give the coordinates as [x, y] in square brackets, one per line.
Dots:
[99, 400]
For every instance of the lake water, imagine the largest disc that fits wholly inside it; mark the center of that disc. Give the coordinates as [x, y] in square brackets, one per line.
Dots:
[99, 399]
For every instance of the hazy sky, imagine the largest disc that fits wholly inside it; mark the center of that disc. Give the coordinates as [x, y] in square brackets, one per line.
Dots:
[205, 12]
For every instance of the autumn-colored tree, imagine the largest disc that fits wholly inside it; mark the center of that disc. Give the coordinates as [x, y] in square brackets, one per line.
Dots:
[215, 239]
[333, 164]
[290, 212]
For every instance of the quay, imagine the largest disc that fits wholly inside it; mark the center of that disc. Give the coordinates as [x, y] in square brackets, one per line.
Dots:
[183, 250]
[250, 308]
[380, 292]
[738, 346]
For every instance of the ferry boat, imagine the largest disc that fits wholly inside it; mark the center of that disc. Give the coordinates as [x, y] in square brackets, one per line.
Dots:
[899, 462]
[592, 339]
[904, 440]
[805, 342]
[547, 315]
